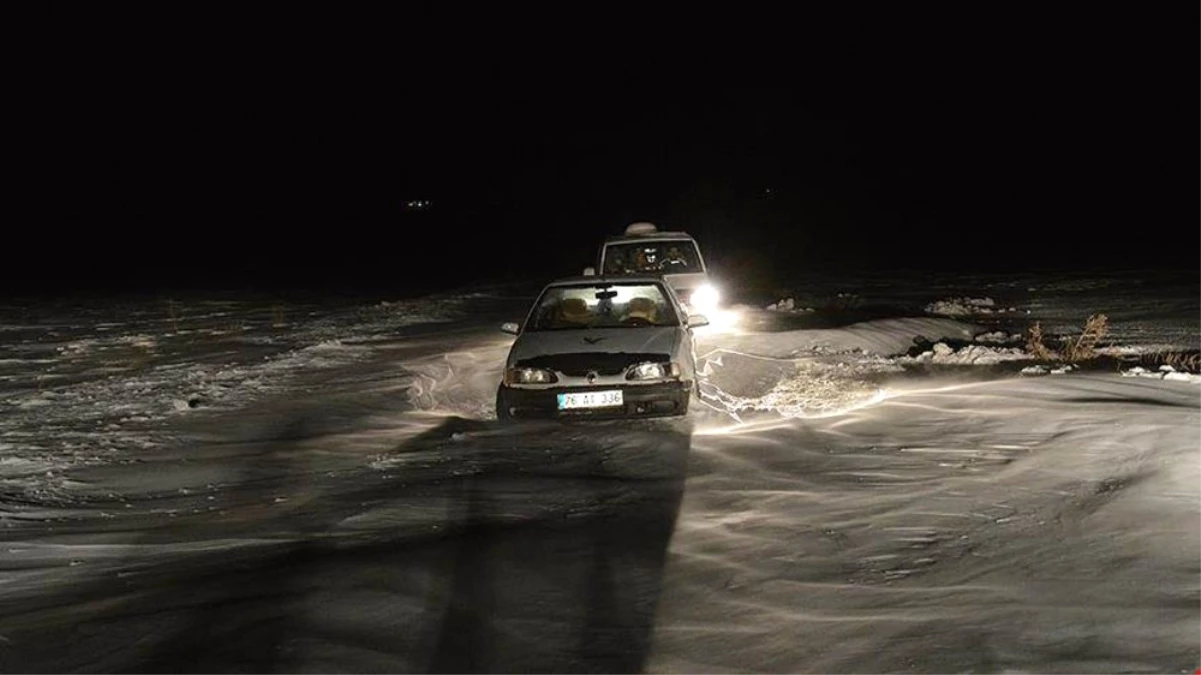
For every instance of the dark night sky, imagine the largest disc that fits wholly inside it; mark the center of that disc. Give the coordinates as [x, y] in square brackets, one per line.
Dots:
[159, 148]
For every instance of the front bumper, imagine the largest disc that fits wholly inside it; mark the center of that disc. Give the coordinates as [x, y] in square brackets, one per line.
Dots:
[667, 399]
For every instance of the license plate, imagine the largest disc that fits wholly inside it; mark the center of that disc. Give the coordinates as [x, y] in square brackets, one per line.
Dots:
[590, 399]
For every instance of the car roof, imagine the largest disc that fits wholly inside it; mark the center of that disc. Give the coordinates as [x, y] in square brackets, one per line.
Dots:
[650, 236]
[597, 279]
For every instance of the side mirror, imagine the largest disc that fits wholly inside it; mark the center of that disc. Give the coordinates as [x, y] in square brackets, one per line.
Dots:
[510, 327]
[697, 320]
[589, 271]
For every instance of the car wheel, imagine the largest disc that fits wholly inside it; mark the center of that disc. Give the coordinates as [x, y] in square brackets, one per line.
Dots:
[502, 406]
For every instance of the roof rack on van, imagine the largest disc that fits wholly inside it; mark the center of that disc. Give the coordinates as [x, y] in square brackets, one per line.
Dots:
[634, 229]
[649, 230]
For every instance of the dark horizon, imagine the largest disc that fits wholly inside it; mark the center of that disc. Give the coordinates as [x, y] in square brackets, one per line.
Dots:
[1020, 142]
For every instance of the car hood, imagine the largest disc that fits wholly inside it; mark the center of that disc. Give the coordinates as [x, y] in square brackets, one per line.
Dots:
[603, 349]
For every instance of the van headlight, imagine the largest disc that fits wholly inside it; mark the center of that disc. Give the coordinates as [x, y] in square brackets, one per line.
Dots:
[705, 298]
[653, 371]
[530, 376]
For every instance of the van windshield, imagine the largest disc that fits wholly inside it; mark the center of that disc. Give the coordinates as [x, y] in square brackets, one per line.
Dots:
[654, 257]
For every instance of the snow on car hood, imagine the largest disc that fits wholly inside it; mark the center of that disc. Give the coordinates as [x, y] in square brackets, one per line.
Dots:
[597, 349]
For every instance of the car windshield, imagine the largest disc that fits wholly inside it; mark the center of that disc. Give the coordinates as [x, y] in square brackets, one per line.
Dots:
[656, 257]
[632, 305]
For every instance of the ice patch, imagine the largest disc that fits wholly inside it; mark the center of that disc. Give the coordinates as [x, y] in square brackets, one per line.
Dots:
[997, 338]
[787, 305]
[966, 307]
[942, 353]
[1165, 372]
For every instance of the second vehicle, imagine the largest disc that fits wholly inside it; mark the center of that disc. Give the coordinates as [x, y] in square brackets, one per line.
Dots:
[645, 250]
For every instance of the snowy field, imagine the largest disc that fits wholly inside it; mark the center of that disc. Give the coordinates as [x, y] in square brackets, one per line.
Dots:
[878, 477]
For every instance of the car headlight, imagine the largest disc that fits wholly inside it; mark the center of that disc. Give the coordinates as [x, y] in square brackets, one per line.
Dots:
[653, 371]
[705, 298]
[530, 376]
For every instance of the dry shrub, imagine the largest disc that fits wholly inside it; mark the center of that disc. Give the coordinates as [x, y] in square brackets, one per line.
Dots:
[1036, 346]
[1189, 362]
[1084, 347]
[173, 315]
[140, 358]
[1069, 350]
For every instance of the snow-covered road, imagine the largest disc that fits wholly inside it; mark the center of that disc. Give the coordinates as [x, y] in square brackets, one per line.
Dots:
[824, 510]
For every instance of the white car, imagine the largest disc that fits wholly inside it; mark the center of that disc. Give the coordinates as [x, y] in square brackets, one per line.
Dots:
[644, 249]
[598, 346]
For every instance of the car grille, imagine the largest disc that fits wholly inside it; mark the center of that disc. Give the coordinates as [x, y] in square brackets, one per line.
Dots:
[581, 363]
